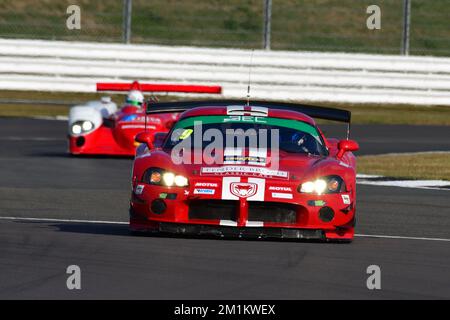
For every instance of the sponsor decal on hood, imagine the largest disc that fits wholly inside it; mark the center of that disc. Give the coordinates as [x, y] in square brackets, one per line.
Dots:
[345, 198]
[244, 170]
[139, 189]
[243, 189]
[344, 164]
[234, 188]
[204, 191]
[235, 158]
[276, 188]
[206, 184]
[255, 156]
[281, 195]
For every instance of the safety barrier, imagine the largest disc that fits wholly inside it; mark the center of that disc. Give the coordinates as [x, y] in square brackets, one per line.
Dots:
[279, 75]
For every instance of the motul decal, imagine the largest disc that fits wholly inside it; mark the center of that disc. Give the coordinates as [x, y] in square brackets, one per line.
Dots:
[206, 184]
[235, 188]
[275, 188]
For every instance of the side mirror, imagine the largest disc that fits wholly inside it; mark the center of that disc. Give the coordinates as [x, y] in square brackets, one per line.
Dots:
[346, 145]
[145, 137]
[159, 138]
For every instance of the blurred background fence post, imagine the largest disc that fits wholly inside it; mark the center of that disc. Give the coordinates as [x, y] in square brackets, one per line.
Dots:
[267, 23]
[406, 26]
[127, 10]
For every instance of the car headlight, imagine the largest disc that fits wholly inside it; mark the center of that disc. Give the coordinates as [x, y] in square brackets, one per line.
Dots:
[76, 129]
[329, 184]
[181, 181]
[158, 176]
[168, 178]
[87, 126]
[81, 127]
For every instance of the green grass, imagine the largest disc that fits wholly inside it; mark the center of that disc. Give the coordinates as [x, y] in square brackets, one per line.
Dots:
[20, 110]
[412, 166]
[66, 100]
[331, 25]
[395, 114]
[361, 114]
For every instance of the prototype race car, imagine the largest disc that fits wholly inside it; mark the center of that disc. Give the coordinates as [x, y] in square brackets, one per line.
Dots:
[229, 168]
[99, 128]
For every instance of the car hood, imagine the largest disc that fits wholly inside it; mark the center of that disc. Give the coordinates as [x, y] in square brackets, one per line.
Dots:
[289, 166]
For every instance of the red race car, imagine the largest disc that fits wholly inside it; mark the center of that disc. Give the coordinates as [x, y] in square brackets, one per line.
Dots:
[99, 128]
[258, 169]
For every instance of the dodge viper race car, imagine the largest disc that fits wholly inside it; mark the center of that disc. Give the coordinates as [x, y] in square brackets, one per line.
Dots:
[99, 128]
[207, 175]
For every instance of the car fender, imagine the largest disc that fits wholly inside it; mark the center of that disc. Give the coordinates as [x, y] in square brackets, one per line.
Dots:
[105, 106]
[329, 167]
[84, 113]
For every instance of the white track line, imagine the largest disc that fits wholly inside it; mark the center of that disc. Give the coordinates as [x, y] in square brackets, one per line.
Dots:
[407, 153]
[31, 139]
[126, 223]
[415, 184]
[62, 220]
[399, 237]
[56, 118]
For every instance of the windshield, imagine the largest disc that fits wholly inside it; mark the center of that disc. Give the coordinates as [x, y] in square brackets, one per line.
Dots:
[288, 135]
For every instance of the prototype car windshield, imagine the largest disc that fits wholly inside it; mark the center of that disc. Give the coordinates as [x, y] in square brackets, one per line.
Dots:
[291, 135]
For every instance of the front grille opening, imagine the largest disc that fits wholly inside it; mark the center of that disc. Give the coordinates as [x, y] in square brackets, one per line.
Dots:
[213, 209]
[276, 212]
[272, 212]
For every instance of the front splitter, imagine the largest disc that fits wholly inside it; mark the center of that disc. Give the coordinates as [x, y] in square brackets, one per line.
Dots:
[236, 232]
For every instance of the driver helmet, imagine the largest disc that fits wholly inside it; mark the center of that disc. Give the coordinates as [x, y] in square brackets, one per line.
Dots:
[135, 98]
[304, 141]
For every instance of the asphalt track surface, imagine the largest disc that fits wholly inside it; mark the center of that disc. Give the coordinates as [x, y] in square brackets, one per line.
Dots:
[39, 180]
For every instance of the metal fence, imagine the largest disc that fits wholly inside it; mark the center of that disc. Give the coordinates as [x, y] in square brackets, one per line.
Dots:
[325, 25]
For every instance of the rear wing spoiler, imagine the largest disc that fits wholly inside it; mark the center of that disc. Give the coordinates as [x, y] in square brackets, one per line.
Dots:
[312, 111]
[158, 87]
